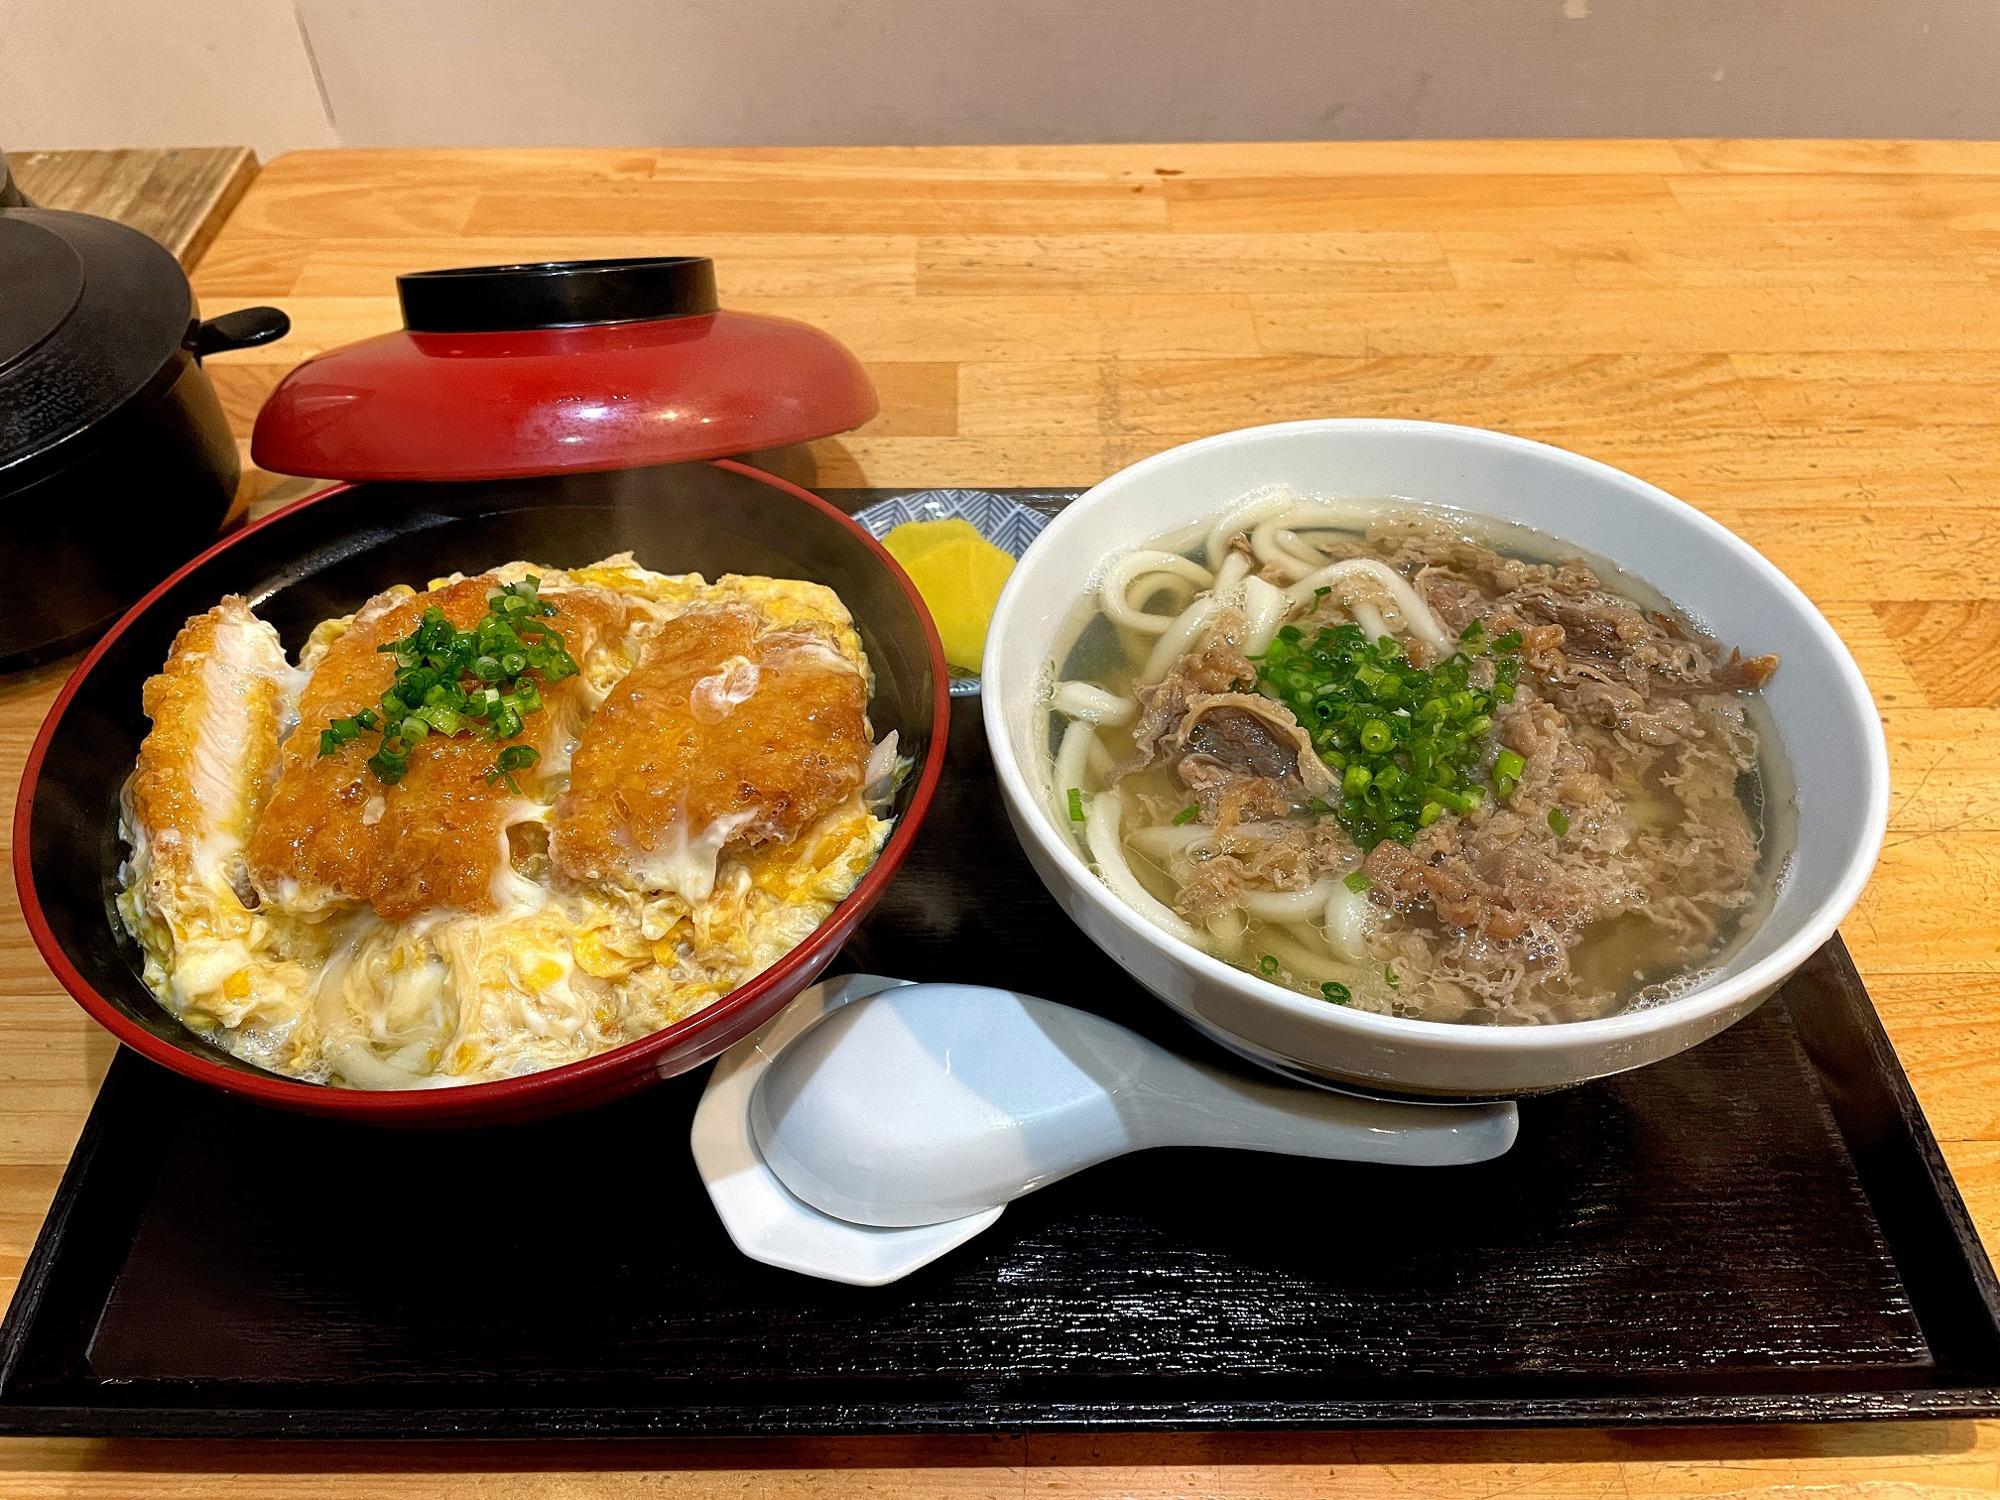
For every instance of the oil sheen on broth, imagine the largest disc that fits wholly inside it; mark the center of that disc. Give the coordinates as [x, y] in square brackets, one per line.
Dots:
[1393, 757]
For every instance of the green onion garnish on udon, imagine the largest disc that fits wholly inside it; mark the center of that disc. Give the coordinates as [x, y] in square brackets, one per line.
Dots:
[1403, 742]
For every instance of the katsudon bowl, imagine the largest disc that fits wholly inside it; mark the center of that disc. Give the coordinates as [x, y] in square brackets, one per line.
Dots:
[324, 556]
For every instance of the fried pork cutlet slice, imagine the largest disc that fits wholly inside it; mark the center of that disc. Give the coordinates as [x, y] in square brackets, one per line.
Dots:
[438, 837]
[206, 765]
[728, 732]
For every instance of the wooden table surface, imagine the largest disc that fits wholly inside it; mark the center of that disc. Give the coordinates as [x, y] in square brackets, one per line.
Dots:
[1802, 339]
[178, 195]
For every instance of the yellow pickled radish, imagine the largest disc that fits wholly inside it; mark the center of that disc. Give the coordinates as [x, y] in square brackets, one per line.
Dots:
[913, 538]
[960, 574]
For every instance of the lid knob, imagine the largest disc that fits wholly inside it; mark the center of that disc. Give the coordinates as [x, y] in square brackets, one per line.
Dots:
[557, 294]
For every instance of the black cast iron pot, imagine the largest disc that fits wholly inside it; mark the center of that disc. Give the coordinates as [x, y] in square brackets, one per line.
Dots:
[116, 464]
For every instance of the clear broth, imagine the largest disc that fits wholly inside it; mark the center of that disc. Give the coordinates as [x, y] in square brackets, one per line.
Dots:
[1623, 955]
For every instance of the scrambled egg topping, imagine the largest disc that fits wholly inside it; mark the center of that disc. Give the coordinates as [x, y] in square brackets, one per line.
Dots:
[557, 970]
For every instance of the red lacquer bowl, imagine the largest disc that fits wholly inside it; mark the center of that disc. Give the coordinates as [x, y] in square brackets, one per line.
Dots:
[322, 557]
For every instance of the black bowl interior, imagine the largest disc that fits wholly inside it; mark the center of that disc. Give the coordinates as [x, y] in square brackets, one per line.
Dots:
[326, 557]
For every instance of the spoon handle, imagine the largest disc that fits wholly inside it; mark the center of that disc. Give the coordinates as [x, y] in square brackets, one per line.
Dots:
[1192, 1105]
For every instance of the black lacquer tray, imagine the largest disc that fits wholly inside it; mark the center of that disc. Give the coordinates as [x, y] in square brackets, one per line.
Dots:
[1760, 1229]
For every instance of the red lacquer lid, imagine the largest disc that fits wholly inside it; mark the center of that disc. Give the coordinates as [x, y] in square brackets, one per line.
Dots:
[566, 366]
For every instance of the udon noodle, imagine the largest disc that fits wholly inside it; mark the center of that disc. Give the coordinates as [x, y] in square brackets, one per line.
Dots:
[1386, 759]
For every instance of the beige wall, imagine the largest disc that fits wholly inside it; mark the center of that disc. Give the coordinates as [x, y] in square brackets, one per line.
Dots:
[285, 73]
[157, 73]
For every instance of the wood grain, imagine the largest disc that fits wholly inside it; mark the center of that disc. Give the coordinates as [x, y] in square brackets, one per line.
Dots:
[1799, 337]
[178, 195]
[1954, 644]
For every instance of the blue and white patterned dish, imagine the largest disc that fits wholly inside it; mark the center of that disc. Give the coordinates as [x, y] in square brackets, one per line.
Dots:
[1007, 524]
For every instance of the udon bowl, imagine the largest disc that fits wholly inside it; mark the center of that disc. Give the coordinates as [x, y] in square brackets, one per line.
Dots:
[1825, 718]
[324, 556]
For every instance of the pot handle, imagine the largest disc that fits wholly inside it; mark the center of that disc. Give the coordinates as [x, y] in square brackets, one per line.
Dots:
[245, 328]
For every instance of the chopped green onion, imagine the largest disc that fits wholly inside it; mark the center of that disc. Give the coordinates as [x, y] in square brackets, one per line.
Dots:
[1559, 821]
[1430, 814]
[450, 680]
[1075, 805]
[1186, 816]
[390, 761]
[1458, 802]
[1267, 965]
[1338, 994]
[1511, 641]
[1399, 737]
[1358, 883]
[341, 732]
[1389, 976]
[511, 759]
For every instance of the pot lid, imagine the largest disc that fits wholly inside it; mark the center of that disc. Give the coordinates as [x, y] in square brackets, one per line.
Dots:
[501, 372]
[91, 313]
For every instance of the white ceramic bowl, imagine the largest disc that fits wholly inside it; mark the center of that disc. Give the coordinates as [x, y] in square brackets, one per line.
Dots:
[1825, 717]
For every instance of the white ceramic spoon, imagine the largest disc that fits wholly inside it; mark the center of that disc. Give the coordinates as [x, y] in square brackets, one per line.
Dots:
[930, 1103]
